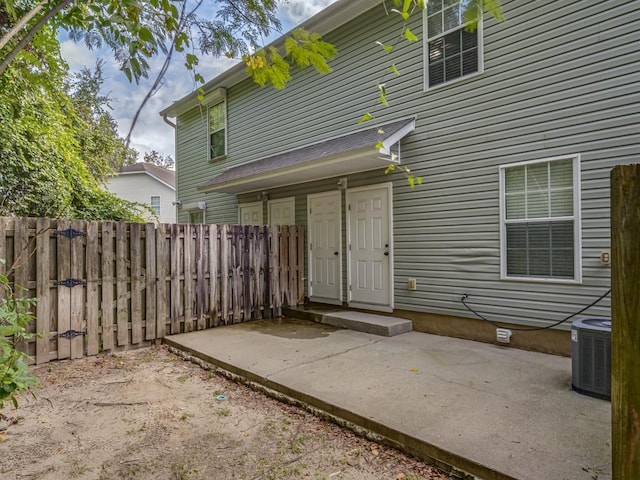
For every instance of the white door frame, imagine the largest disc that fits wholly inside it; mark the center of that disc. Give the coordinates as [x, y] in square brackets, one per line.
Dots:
[383, 308]
[337, 193]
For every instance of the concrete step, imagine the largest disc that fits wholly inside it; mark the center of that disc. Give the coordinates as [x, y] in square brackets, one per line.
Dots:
[352, 320]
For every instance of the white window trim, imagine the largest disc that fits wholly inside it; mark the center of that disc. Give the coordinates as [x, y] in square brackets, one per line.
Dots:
[425, 53]
[577, 224]
[226, 131]
[291, 200]
[158, 206]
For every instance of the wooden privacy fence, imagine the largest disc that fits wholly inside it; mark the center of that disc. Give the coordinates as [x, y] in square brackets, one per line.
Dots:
[107, 285]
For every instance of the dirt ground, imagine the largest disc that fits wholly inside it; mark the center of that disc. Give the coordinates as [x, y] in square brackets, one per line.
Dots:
[149, 415]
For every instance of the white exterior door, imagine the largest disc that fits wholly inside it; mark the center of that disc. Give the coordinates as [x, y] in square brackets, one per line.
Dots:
[282, 211]
[325, 247]
[250, 213]
[370, 247]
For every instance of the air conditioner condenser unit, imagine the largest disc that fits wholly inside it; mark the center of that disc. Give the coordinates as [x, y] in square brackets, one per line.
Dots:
[591, 357]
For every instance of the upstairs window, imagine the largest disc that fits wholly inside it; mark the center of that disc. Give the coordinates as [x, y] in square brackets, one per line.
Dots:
[155, 205]
[217, 131]
[540, 220]
[452, 51]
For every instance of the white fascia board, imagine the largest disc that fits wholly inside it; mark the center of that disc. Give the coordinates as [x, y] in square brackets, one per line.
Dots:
[395, 138]
[146, 173]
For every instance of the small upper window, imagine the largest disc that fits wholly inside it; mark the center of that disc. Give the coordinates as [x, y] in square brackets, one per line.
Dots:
[453, 51]
[217, 130]
[540, 219]
[155, 204]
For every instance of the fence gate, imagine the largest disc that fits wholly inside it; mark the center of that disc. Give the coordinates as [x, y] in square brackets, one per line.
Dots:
[70, 288]
[107, 285]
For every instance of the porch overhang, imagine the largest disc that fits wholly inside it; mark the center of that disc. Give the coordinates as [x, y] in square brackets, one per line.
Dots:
[360, 151]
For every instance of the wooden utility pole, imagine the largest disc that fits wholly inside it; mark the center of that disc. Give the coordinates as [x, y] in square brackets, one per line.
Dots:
[625, 311]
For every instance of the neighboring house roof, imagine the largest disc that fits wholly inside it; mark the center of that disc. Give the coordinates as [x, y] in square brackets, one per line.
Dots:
[326, 20]
[168, 177]
[342, 155]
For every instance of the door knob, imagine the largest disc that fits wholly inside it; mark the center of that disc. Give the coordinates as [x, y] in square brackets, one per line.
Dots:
[336, 253]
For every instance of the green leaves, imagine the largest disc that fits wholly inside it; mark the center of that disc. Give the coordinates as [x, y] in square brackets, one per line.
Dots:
[305, 49]
[386, 48]
[412, 180]
[268, 67]
[383, 94]
[409, 35]
[15, 315]
[302, 49]
[365, 118]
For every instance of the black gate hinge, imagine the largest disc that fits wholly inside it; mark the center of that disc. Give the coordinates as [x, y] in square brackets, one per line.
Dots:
[70, 282]
[70, 233]
[70, 334]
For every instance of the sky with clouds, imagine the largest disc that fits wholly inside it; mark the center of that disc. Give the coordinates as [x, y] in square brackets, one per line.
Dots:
[151, 133]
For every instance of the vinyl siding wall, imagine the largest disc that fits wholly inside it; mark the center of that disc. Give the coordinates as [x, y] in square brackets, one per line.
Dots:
[560, 78]
[193, 169]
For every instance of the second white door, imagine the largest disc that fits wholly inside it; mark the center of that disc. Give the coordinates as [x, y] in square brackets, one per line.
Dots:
[370, 247]
[325, 248]
[282, 211]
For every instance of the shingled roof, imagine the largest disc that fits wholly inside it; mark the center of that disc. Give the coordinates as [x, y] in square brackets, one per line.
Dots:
[164, 175]
[341, 155]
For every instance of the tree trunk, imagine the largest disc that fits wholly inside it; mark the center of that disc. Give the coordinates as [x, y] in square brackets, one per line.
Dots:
[625, 310]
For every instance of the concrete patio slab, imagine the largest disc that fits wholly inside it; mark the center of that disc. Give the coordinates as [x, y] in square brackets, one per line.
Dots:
[490, 411]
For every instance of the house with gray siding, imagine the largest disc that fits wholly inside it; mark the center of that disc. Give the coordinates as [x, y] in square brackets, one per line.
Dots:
[513, 129]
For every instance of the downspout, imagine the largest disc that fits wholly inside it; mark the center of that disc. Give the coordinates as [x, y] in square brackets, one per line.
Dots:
[168, 122]
[176, 203]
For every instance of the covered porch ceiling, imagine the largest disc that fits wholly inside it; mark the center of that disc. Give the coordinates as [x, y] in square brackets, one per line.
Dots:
[364, 150]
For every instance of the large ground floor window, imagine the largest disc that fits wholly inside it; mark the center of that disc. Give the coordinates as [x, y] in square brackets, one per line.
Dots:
[540, 219]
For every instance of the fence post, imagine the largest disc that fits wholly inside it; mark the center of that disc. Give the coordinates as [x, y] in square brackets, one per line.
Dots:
[135, 271]
[625, 309]
[64, 293]
[161, 285]
[150, 281]
[214, 268]
[300, 264]
[92, 262]
[43, 289]
[107, 285]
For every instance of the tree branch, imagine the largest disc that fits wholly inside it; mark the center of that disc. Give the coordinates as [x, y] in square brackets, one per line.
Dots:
[156, 84]
[6, 38]
[32, 32]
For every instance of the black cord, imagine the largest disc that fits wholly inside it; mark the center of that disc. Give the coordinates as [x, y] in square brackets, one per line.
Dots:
[465, 296]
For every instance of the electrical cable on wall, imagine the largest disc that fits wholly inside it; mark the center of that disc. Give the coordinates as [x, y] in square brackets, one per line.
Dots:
[515, 329]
